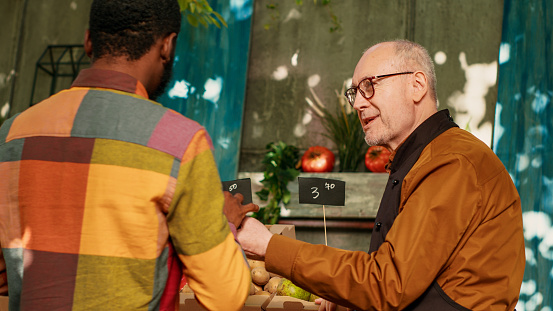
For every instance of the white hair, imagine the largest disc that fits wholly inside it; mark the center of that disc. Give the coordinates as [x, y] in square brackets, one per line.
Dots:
[412, 56]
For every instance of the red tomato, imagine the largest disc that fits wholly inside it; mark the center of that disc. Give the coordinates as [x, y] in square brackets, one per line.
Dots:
[317, 159]
[376, 158]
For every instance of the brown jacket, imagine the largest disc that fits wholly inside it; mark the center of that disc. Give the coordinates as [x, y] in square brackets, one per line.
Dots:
[457, 240]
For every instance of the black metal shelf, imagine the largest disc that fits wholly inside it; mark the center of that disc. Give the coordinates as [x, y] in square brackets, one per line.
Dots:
[60, 61]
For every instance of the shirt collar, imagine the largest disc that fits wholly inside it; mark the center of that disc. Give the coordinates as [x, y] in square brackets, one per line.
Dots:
[421, 136]
[109, 79]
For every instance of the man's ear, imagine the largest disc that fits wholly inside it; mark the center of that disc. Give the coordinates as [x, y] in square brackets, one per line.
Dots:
[87, 43]
[420, 86]
[168, 47]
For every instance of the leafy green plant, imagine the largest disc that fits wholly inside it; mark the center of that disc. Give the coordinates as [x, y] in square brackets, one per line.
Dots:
[200, 12]
[280, 163]
[342, 128]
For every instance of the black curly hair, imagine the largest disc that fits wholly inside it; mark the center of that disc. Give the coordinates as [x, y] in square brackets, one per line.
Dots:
[131, 27]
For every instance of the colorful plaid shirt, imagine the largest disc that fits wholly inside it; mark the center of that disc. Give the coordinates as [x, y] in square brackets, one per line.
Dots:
[106, 197]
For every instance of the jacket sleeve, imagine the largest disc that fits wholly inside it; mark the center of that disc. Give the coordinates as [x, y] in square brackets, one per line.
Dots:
[432, 219]
[200, 232]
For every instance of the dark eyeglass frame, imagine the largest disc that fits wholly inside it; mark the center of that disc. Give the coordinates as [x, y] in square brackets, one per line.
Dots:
[351, 93]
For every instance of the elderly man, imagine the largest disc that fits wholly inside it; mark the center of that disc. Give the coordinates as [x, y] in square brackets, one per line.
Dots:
[448, 233]
[106, 197]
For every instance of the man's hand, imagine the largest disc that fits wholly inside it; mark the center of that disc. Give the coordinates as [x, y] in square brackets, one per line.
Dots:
[326, 305]
[234, 210]
[254, 238]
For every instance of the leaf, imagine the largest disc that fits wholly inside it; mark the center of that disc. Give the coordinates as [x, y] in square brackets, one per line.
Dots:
[192, 20]
[220, 18]
[207, 7]
[183, 4]
[280, 168]
[203, 21]
[263, 194]
[274, 219]
[216, 24]
[200, 12]
[286, 197]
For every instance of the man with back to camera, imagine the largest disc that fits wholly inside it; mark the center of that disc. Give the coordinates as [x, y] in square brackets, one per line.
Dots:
[106, 196]
[448, 233]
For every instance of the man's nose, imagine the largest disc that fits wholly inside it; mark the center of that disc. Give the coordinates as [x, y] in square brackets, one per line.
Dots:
[360, 102]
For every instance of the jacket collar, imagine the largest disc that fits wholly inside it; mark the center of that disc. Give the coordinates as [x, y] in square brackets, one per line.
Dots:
[421, 137]
[109, 79]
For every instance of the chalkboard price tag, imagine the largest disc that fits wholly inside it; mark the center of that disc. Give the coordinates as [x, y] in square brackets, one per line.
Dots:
[242, 186]
[322, 191]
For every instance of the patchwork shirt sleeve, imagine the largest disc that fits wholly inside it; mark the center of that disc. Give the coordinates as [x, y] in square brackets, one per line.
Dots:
[200, 232]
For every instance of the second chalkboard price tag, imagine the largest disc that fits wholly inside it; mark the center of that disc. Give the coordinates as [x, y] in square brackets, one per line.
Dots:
[242, 186]
[313, 190]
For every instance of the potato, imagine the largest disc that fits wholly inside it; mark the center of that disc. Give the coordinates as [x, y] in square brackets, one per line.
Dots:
[252, 289]
[262, 292]
[272, 285]
[255, 263]
[260, 276]
[274, 275]
[257, 288]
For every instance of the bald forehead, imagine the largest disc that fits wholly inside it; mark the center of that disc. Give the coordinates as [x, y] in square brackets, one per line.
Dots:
[380, 46]
[377, 60]
[380, 54]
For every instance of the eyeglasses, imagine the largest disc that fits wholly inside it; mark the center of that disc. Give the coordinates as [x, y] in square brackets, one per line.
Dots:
[366, 87]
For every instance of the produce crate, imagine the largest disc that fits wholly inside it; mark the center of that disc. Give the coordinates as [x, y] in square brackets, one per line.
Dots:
[253, 302]
[257, 303]
[188, 303]
[280, 303]
[285, 230]
[260, 302]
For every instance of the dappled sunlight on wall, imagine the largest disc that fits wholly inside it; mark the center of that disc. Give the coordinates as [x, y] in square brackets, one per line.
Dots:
[523, 137]
[209, 79]
[469, 104]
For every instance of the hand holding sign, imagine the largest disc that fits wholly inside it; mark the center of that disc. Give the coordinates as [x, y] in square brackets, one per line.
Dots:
[238, 200]
[242, 186]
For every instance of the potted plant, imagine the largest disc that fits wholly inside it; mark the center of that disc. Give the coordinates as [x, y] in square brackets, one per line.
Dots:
[342, 128]
[280, 163]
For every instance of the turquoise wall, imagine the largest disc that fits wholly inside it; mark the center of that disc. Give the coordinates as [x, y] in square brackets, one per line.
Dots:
[209, 79]
[523, 136]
